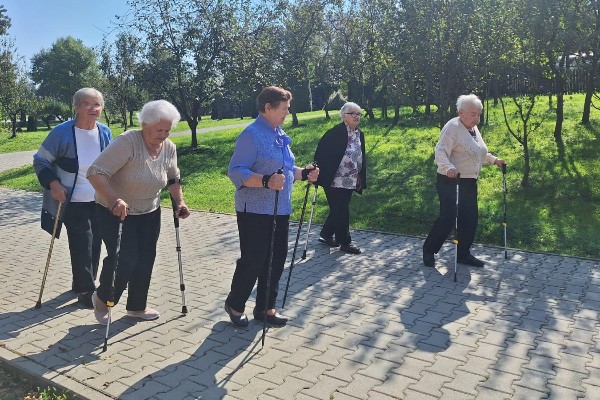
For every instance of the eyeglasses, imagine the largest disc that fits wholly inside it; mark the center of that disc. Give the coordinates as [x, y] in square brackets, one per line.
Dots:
[354, 114]
[87, 106]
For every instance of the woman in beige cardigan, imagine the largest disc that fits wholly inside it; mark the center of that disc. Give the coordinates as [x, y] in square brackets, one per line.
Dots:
[460, 150]
[128, 177]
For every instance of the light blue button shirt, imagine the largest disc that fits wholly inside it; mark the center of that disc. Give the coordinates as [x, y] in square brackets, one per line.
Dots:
[256, 151]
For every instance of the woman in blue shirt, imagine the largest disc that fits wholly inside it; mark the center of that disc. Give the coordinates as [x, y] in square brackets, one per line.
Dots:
[260, 151]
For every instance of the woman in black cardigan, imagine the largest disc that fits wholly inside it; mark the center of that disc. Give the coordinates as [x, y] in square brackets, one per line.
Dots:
[341, 159]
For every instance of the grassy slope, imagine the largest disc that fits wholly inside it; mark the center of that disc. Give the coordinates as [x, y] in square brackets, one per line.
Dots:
[559, 212]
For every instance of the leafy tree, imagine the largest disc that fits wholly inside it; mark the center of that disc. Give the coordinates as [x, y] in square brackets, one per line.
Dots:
[555, 26]
[65, 68]
[5, 22]
[185, 43]
[592, 40]
[120, 66]
[249, 56]
[15, 89]
[49, 109]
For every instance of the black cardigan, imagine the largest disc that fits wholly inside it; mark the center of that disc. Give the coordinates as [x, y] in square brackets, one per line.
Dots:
[330, 151]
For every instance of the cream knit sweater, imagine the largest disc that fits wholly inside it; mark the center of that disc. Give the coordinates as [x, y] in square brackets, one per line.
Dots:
[134, 175]
[459, 150]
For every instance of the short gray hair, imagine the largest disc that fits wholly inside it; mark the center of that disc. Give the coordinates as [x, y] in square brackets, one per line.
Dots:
[86, 92]
[349, 105]
[467, 100]
[159, 110]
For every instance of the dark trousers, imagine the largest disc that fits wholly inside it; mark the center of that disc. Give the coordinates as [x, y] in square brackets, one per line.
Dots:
[136, 256]
[85, 241]
[468, 215]
[338, 221]
[255, 232]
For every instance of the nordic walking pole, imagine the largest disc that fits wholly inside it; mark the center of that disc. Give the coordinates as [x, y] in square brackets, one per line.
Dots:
[111, 300]
[178, 248]
[312, 209]
[270, 269]
[505, 191]
[456, 228]
[39, 301]
[296, 244]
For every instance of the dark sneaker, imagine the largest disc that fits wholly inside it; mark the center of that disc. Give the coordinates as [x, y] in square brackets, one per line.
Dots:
[428, 259]
[350, 248]
[238, 320]
[275, 320]
[85, 300]
[471, 260]
[329, 241]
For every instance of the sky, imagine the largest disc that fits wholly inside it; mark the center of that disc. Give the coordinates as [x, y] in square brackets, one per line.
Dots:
[36, 24]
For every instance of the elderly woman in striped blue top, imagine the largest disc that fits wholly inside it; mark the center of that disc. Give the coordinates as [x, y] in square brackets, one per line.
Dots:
[61, 164]
[260, 151]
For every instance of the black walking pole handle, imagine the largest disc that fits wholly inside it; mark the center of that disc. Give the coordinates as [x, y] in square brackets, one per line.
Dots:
[279, 172]
[175, 219]
[504, 188]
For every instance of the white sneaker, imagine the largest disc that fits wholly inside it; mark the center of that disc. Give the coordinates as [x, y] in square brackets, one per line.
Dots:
[100, 309]
[148, 314]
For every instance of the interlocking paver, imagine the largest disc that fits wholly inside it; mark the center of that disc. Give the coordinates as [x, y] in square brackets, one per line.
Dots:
[375, 326]
[395, 385]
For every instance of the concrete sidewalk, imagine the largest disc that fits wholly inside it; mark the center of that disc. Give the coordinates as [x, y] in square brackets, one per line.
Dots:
[374, 326]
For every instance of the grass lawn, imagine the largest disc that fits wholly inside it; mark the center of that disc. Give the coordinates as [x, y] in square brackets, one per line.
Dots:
[16, 387]
[558, 212]
[26, 141]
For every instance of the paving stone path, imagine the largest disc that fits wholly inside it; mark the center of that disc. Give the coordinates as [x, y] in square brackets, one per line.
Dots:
[373, 326]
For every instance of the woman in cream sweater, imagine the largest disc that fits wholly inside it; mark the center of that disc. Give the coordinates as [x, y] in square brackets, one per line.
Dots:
[460, 150]
[128, 177]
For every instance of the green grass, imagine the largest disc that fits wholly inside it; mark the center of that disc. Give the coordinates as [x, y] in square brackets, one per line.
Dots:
[559, 212]
[16, 387]
[27, 141]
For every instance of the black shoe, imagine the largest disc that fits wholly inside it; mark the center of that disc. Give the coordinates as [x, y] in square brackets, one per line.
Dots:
[237, 320]
[85, 299]
[428, 259]
[350, 248]
[275, 320]
[329, 241]
[471, 260]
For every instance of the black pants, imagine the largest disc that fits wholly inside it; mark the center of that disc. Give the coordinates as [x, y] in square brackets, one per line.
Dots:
[338, 220]
[468, 215]
[136, 256]
[255, 232]
[85, 241]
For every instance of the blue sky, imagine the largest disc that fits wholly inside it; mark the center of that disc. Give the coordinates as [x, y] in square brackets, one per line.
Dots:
[36, 24]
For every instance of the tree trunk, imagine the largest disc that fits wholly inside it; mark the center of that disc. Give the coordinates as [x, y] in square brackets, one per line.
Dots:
[527, 167]
[560, 108]
[106, 117]
[294, 119]
[13, 127]
[131, 118]
[590, 88]
[327, 116]
[396, 115]
[193, 124]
